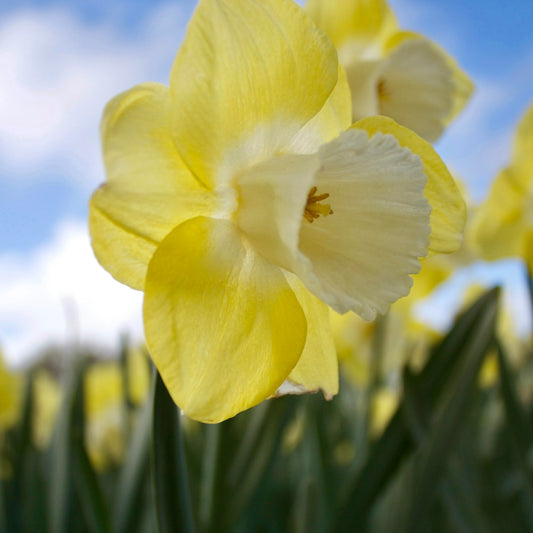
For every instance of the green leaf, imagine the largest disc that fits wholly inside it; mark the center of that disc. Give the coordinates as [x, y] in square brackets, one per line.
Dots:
[93, 504]
[253, 460]
[16, 451]
[61, 460]
[396, 442]
[448, 421]
[520, 432]
[169, 472]
[133, 475]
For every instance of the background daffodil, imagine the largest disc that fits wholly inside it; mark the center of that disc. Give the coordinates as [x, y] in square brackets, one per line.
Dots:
[11, 390]
[503, 224]
[242, 201]
[392, 72]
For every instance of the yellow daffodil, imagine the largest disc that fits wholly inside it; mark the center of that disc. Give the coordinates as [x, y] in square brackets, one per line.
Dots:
[392, 72]
[503, 224]
[437, 268]
[11, 391]
[47, 396]
[105, 414]
[241, 200]
[139, 376]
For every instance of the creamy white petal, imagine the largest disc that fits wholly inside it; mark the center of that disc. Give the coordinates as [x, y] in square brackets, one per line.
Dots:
[272, 199]
[363, 254]
[417, 88]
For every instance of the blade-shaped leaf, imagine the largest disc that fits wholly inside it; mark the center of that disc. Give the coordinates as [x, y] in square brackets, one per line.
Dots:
[448, 422]
[520, 432]
[396, 441]
[169, 472]
[133, 475]
[61, 460]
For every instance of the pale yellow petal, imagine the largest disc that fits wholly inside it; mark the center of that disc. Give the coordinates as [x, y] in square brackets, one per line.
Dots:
[249, 75]
[353, 23]
[448, 209]
[363, 253]
[148, 190]
[222, 324]
[47, 397]
[331, 120]
[501, 223]
[105, 432]
[420, 86]
[11, 391]
[317, 368]
[523, 146]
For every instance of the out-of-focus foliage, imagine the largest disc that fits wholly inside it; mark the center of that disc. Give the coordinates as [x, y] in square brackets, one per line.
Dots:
[430, 450]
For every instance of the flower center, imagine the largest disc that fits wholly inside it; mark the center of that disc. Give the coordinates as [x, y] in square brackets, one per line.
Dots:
[314, 208]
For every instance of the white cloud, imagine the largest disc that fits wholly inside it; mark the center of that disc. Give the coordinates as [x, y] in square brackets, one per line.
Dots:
[57, 74]
[59, 294]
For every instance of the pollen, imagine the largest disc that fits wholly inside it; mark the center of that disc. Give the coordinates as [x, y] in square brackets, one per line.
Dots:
[314, 208]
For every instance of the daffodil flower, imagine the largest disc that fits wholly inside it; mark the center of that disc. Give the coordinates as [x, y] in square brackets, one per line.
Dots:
[243, 202]
[11, 390]
[392, 72]
[503, 224]
[105, 431]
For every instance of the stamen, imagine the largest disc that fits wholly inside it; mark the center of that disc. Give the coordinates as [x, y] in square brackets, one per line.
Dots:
[314, 209]
[383, 90]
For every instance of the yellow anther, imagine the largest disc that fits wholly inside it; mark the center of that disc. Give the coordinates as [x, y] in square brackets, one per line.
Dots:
[314, 208]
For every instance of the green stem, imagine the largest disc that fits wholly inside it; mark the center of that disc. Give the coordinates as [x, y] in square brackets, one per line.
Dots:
[378, 349]
[210, 475]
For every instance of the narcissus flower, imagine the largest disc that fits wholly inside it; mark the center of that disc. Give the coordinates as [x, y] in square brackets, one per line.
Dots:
[11, 391]
[242, 201]
[503, 224]
[105, 432]
[392, 72]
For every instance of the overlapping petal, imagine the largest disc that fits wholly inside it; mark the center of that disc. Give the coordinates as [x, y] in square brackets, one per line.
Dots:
[353, 23]
[317, 368]
[334, 117]
[448, 209]
[222, 324]
[249, 75]
[148, 191]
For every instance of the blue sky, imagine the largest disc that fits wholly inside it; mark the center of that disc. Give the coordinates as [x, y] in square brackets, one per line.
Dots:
[62, 60]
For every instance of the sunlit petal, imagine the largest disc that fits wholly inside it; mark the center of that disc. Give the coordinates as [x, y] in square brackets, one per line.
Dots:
[502, 222]
[148, 190]
[448, 209]
[353, 23]
[249, 75]
[222, 324]
[317, 368]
